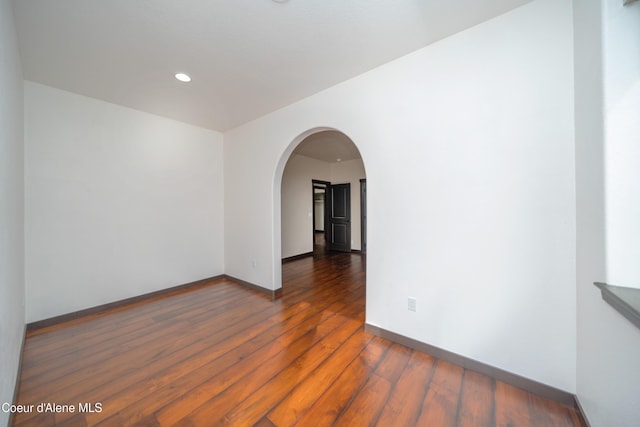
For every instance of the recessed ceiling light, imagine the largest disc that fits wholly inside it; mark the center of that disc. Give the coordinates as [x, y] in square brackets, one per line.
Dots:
[338, 159]
[183, 77]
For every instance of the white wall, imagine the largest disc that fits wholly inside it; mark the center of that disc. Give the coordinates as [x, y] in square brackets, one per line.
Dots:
[480, 127]
[297, 218]
[11, 207]
[118, 202]
[318, 207]
[622, 136]
[608, 378]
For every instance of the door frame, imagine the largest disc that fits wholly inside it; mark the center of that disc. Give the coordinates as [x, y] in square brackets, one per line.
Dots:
[317, 183]
[363, 215]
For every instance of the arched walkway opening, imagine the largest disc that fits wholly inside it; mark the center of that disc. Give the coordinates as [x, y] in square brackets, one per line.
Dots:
[320, 212]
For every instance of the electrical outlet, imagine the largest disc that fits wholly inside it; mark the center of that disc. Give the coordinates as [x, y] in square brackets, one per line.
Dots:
[412, 304]
[254, 264]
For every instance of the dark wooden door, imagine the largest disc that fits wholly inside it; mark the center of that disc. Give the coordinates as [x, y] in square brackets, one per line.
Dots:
[340, 217]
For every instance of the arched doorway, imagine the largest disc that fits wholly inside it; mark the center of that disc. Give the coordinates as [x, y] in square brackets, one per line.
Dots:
[322, 166]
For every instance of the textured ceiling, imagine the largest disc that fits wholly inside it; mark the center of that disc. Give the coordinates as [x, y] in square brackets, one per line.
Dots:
[246, 57]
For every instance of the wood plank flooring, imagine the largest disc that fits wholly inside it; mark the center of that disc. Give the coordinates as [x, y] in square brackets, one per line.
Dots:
[221, 354]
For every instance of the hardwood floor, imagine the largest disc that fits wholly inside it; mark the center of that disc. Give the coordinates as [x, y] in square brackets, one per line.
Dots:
[221, 354]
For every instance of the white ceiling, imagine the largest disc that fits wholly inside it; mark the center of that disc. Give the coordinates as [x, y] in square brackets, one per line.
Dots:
[246, 57]
[328, 146]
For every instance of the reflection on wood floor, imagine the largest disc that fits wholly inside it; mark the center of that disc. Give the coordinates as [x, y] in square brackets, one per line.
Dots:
[221, 354]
